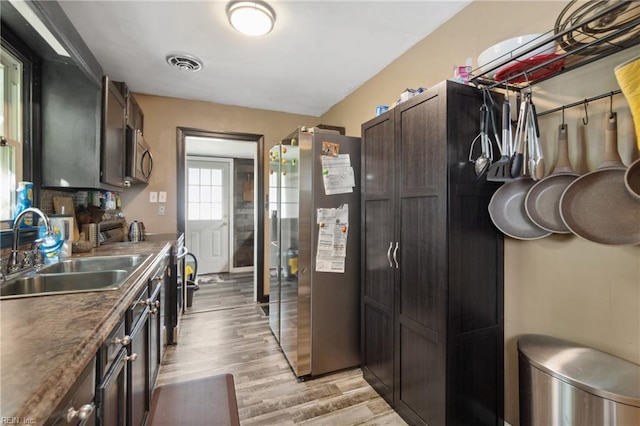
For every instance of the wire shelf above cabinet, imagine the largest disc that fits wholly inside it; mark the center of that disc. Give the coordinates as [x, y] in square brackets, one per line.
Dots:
[583, 33]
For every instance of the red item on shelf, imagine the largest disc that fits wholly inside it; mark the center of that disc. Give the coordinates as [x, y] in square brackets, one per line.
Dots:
[515, 72]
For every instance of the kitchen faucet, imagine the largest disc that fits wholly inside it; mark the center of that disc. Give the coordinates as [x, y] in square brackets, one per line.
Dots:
[12, 263]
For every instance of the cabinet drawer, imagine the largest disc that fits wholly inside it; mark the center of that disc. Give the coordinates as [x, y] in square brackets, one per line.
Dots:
[116, 341]
[138, 309]
[77, 406]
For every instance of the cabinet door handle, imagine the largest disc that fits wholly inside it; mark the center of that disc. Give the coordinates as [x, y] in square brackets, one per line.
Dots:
[124, 341]
[81, 414]
[395, 252]
[389, 254]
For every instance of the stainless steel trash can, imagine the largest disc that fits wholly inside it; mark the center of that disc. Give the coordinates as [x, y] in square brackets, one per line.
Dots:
[565, 384]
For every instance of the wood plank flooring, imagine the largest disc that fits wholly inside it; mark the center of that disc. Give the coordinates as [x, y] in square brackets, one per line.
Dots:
[232, 337]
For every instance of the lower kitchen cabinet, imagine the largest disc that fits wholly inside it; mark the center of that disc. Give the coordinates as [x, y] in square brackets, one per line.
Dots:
[432, 268]
[129, 360]
[137, 323]
[158, 285]
[77, 406]
[111, 394]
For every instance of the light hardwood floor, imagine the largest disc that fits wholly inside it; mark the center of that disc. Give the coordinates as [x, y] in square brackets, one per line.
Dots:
[235, 338]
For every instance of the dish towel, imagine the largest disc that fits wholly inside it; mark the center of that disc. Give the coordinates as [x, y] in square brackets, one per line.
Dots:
[628, 76]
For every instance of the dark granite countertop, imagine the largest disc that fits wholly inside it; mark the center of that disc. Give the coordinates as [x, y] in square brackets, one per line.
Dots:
[47, 341]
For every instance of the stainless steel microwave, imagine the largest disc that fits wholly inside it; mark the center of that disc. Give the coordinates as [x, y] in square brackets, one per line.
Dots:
[139, 159]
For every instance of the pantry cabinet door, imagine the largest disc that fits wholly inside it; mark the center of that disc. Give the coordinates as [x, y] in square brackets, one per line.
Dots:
[421, 304]
[378, 242]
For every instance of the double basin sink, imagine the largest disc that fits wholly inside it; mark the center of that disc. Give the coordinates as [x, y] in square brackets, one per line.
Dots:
[82, 274]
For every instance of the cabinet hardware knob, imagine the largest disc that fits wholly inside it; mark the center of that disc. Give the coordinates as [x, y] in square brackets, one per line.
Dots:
[124, 341]
[132, 357]
[81, 414]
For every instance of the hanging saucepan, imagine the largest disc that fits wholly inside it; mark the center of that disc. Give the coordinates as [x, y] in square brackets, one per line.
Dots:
[632, 179]
[597, 206]
[506, 207]
[542, 202]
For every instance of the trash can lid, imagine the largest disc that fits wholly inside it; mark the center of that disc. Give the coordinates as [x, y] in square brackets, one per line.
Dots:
[589, 369]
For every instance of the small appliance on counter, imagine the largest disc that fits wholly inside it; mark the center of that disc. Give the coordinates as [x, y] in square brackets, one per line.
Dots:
[136, 231]
[66, 224]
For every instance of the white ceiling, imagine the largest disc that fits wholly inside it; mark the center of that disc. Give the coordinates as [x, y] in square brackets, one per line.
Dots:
[318, 53]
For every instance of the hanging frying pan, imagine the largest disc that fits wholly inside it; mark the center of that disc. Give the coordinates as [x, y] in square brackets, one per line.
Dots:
[632, 179]
[542, 202]
[597, 206]
[508, 214]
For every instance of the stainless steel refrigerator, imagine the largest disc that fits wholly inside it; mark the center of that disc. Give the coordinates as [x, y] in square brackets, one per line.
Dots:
[314, 296]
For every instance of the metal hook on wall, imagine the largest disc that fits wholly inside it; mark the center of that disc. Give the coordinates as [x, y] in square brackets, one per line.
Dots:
[611, 105]
[585, 120]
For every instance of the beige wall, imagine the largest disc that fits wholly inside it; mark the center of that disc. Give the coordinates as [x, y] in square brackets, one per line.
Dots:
[561, 285]
[163, 116]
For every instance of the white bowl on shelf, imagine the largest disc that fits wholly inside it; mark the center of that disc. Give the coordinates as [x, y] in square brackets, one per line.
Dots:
[500, 55]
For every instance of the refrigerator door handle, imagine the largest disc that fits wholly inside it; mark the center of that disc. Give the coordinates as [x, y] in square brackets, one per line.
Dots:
[389, 254]
[395, 252]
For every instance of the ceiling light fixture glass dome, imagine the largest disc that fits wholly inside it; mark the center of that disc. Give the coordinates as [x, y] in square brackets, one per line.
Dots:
[254, 18]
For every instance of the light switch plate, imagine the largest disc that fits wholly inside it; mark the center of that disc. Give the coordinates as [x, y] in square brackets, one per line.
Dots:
[160, 210]
[162, 197]
[153, 197]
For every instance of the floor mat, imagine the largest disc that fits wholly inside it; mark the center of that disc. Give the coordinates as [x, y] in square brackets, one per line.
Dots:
[210, 278]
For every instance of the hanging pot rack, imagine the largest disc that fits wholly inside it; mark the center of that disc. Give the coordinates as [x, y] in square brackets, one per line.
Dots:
[583, 102]
[573, 58]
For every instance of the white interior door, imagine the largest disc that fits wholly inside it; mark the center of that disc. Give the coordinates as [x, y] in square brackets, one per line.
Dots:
[208, 190]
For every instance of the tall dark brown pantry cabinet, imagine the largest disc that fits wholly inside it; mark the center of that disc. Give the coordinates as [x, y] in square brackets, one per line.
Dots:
[432, 267]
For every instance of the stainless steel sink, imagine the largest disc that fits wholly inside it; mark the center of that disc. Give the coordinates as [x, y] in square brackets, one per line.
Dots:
[93, 264]
[63, 283]
[83, 274]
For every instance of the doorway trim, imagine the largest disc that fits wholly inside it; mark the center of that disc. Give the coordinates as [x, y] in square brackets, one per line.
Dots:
[181, 135]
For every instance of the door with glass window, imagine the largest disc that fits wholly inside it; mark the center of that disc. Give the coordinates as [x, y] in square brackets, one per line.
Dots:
[208, 189]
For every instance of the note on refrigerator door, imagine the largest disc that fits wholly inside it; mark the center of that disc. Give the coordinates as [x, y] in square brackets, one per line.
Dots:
[333, 230]
[337, 174]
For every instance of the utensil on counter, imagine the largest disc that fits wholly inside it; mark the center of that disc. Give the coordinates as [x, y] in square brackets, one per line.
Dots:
[542, 202]
[597, 206]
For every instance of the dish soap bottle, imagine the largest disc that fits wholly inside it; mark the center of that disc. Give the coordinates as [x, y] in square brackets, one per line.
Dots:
[24, 200]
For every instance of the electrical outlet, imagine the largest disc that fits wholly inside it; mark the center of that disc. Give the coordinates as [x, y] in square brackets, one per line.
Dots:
[153, 197]
[162, 197]
[160, 210]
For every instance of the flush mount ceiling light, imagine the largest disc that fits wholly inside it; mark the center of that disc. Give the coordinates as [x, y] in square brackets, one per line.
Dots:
[184, 62]
[254, 18]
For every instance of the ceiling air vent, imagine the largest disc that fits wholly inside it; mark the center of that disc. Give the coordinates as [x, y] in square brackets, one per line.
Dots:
[184, 62]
